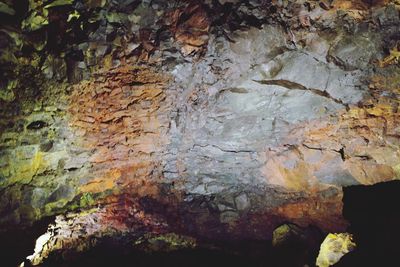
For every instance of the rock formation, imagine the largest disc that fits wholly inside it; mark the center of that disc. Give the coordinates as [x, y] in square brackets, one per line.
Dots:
[211, 120]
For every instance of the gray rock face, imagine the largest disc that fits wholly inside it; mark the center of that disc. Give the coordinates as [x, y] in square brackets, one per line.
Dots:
[264, 91]
[356, 52]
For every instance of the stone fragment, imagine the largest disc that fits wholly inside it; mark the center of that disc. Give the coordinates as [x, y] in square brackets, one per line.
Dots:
[191, 26]
[333, 248]
[357, 51]
[242, 202]
[229, 217]
[392, 58]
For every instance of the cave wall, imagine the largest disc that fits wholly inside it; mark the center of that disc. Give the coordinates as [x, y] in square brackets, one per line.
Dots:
[218, 119]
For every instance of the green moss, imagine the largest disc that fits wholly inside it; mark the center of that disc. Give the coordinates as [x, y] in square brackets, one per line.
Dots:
[7, 94]
[281, 232]
[35, 21]
[284, 233]
[86, 200]
[50, 208]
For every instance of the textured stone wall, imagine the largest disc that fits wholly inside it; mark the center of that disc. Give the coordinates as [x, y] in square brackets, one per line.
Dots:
[220, 119]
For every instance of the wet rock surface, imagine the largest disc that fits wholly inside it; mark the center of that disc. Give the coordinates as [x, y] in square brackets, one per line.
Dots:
[215, 119]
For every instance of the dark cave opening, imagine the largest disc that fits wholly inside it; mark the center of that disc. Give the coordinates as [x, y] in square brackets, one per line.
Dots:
[374, 217]
[16, 243]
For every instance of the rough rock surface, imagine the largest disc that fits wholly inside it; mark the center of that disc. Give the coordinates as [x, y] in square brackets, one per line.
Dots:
[213, 119]
[334, 247]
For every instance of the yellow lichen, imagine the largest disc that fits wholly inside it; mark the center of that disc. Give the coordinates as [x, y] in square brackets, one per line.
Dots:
[380, 110]
[392, 58]
[396, 170]
[283, 233]
[334, 247]
[23, 168]
[73, 15]
[103, 183]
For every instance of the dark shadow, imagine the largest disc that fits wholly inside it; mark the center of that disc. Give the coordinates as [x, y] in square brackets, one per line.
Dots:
[374, 216]
[233, 254]
[17, 243]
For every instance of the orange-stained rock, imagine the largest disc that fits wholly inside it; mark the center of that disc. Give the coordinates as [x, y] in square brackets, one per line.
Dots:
[191, 26]
[122, 129]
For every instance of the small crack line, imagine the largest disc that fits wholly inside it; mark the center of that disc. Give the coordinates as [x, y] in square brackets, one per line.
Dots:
[314, 148]
[297, 86]
[340, 151]
[223, 150]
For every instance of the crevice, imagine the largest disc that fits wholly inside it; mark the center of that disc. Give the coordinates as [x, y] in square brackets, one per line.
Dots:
[314, 148]
[340, 151]
[36, 125]
[223, 150]
[297, 86]
[233, 151]
[340, 63]
[364, 157]
[342, 154]
[236, 90]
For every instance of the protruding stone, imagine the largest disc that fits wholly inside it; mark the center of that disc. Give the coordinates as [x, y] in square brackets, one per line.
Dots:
[242, 202]
[334, 247]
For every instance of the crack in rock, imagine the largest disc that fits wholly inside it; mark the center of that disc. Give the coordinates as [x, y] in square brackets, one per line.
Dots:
[340, 151]
[297, 86]
[224, 150]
